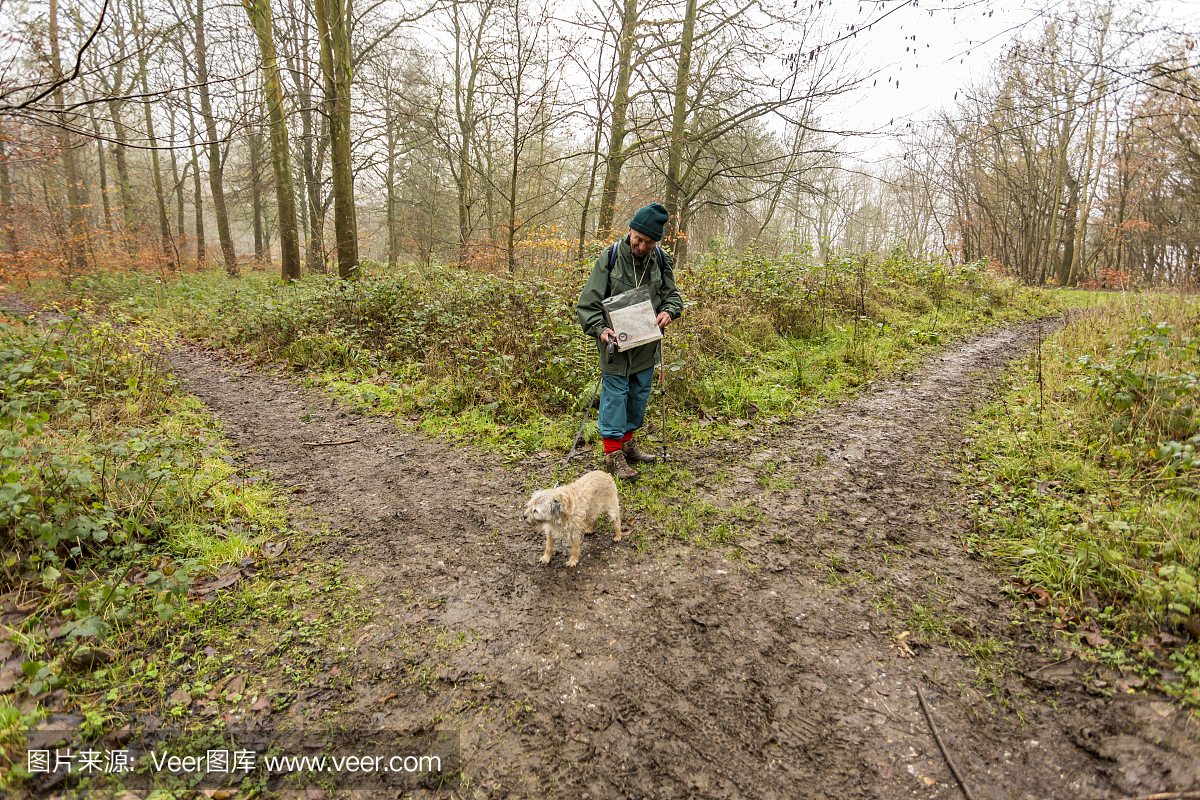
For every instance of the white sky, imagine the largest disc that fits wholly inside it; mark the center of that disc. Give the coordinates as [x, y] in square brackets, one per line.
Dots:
[956, 45]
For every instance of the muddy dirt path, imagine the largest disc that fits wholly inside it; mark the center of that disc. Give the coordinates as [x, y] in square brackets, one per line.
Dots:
[783, 672]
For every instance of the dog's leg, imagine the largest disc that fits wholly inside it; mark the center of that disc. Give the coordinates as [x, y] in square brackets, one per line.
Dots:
[545, 559]
[614, 513]
[576, 539]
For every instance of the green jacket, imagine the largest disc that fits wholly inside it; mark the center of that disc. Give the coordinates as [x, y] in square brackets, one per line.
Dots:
[624, 276]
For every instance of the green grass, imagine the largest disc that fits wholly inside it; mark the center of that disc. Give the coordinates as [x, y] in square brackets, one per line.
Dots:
[1085, 298]
[1084, 480]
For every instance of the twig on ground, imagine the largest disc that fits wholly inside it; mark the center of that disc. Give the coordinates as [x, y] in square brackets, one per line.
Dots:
[1052, 664]
[328, 444]
[945, 753]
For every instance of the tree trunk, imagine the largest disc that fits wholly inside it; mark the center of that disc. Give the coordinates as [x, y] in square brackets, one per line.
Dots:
[1068, 232]
[311, 207]
[393, 200]
[126, 189]
[333, 21]
[616, 135]
[675, 189]
[6, 202]
[587, 198]
[179, 220]
[314, 248]
[464, 109]
[281, 161]
[255, 152]
[514, 173]
[164, 225]
[197, 191]
[102, 168]
[77, 233]
[214, 148]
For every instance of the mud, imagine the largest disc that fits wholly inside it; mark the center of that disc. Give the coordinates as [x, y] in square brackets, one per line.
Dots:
[784, 666]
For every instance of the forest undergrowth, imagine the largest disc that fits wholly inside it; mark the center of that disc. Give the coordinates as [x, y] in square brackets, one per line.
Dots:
[118, 498]
[1083, 472]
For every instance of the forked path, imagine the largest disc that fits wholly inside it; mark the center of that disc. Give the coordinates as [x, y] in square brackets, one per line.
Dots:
[784, 672]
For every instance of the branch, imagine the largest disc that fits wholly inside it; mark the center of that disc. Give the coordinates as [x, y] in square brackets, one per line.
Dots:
[61, 81]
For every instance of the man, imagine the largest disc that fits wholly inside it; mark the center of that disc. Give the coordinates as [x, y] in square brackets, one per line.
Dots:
[628, 379]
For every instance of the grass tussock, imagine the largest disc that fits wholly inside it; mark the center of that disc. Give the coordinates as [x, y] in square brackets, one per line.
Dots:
[1085, 474]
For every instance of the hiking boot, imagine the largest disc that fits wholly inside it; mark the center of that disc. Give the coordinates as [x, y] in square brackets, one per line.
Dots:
[630, 449]
[615, 463]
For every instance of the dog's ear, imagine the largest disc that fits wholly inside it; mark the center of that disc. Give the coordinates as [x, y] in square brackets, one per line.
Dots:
[556, 508]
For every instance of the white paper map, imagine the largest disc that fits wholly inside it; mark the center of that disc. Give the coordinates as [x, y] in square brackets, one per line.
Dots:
[632, 316]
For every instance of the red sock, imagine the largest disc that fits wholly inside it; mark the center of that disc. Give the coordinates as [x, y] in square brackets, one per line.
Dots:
[612, 445]
[626, 437]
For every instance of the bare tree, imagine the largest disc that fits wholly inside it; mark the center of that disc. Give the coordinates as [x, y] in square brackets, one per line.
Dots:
[259, 12]
[77, 231]
[333, 22]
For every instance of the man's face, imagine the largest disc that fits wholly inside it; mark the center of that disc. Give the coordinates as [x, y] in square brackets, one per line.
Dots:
[640, 243]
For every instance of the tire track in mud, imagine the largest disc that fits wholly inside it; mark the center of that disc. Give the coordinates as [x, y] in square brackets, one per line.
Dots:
[678, 672]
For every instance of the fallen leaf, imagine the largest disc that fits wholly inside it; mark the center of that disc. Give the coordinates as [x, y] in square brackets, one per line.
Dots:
[237, 687]
[274, 549]
[1162, 709]
[963, 629]
[8, 679]
[261, 704]
[387, 697]
[180, 698]
[226, 577]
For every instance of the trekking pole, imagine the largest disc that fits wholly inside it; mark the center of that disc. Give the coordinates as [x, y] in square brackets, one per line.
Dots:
[662, 371]
[586, 411]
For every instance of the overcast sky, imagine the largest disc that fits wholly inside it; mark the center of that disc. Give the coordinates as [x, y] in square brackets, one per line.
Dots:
[956, 44]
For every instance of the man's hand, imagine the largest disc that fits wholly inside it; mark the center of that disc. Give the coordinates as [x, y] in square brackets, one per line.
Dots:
[608, 335]
[663, 319]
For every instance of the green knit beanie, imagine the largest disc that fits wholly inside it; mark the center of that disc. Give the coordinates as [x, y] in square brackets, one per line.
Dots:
[649, 220]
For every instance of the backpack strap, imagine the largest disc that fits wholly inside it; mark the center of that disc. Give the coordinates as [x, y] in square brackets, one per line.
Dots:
[612, 256]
